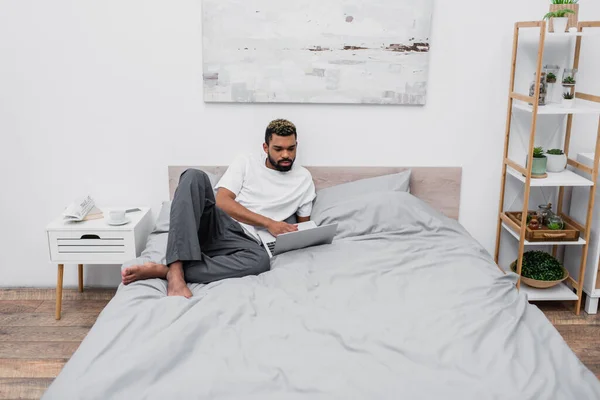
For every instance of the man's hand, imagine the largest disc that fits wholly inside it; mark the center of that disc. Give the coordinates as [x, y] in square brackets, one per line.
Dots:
[277, 228]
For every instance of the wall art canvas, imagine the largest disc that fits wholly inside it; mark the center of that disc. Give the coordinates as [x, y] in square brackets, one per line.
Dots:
[316, 51]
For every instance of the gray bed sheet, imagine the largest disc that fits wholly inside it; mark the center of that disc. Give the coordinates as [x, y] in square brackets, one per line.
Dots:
[414, 310]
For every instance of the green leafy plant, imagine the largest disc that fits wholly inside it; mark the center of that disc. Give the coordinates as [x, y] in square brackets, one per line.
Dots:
[556, 152]
[569, 80]
[551, 78]
[568, 96]
[559, 13]
[555, 226]
[564, 1]
[540, 266]
[538, 152]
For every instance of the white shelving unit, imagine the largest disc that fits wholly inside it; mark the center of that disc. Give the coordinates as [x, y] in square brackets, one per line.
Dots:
[585, 104]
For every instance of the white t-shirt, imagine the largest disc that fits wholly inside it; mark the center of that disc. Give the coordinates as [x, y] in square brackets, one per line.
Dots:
[273, 194]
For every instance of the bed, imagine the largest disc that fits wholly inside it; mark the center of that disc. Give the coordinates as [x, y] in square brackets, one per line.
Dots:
[403, 304]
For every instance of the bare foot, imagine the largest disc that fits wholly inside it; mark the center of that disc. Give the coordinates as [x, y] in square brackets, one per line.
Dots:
[176, 283]
[148, 270]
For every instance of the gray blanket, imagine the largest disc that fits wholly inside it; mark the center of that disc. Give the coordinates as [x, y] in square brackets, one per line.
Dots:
[403, 305]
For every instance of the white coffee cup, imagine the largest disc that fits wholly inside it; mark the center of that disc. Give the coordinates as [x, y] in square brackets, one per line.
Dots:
[116, 216]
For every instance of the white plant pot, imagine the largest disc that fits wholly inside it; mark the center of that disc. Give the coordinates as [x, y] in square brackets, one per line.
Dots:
[556, 163]
[568, 103]
[560, 24]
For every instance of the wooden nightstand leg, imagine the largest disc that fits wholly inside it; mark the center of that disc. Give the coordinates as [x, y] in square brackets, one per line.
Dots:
[59, 287]
[80, 278]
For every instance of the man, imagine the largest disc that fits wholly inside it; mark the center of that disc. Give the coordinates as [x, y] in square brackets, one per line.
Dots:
[212, 239]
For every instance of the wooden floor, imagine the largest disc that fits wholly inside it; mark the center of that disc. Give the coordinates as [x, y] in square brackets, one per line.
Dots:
[34, 346]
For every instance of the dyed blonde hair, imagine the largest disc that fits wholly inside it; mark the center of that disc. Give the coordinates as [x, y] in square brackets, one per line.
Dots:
[280, 127]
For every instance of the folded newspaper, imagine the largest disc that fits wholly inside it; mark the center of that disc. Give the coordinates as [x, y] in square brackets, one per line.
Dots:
[81, 210]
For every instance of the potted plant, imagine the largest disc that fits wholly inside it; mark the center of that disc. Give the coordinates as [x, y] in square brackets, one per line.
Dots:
[540, 270]
[573, 17]
[551, 78]
[538, 165]
[557, 160]
[559, 19]
[569, 77]
[568, 100]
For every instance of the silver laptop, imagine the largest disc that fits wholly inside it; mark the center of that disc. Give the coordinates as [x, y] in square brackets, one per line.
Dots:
[308, 234]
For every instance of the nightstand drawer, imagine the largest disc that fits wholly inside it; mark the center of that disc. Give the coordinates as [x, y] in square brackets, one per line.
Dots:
[87, 245]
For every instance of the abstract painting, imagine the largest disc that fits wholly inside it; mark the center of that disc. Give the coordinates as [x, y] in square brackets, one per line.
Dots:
[316, 51]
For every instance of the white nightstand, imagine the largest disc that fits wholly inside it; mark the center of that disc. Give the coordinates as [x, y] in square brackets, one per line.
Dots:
[95, 242]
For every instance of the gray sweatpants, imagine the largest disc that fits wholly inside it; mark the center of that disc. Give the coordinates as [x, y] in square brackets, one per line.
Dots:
[209, 243]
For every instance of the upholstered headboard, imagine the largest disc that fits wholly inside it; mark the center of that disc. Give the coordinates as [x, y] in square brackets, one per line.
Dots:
[438, 186]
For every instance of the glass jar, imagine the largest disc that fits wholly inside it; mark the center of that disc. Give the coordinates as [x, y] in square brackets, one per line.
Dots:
[569, 77]
[552, 72]
[543, 88]
[544, 212]
[555, 223]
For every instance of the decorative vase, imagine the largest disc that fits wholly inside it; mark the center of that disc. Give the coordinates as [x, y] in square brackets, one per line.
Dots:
[572, 18]
[544, 212]
[555, 223]
[560, 24]
[556, 162]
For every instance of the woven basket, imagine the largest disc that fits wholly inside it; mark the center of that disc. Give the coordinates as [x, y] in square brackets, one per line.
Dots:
[573, 18]
[539, 284]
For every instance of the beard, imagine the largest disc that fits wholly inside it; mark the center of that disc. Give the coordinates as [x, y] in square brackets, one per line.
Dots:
[277, 164]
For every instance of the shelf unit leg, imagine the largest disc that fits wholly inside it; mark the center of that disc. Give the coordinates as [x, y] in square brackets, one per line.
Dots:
[591, 305]
[506, 141]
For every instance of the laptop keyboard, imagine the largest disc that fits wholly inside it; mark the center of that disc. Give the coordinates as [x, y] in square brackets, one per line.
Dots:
[271, 246]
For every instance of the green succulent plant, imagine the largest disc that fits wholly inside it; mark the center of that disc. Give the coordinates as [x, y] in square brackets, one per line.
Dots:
[555, 226]
[538, 152]
[564, 1]
[568, 96]
[559, 13]
[569, 80]
[540, 266]
[556, 152]
[550, 78]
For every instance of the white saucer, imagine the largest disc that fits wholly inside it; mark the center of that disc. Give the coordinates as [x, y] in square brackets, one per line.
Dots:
[125, 221]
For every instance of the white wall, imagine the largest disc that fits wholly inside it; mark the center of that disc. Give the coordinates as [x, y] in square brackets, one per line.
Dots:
[102, 96]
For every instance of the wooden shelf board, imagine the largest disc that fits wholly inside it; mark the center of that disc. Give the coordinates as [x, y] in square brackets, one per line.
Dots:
[556, 179]
[514, 234]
